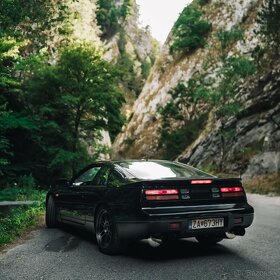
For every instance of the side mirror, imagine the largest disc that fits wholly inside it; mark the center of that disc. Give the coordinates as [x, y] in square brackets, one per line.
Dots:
[62, 183]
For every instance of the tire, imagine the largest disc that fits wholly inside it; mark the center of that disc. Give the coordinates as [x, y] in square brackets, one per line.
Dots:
[106, 233]
[209, 240]
[51, 213]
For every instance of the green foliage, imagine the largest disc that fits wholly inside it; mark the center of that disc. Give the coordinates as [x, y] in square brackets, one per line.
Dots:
[19, 220]
[12, 121]
[269, 19]
[130, 80]
[129, 141]
[203, 2]
[126, 8]
[190, 31]
[109, 16]
[227, 37]
[258, 54]
[146, 68]
[73, 101]
[36, 19]
[175, 141]
[223, 98]
[182, 96]
[22, 190]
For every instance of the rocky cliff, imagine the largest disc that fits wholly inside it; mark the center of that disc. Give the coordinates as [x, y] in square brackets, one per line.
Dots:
[255, 127]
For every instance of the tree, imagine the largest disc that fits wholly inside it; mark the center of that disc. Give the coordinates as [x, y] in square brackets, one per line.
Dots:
[269, 20]
[109, 16]
[38, 20]
[73, 101]
[190, 31]
[13, 123]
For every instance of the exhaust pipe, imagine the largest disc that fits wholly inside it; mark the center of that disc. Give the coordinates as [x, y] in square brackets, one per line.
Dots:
[230, 235]
[234, 233]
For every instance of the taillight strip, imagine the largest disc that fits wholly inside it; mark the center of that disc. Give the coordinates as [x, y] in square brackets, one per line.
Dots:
[161, 192]
[231, 189]
[168, 194]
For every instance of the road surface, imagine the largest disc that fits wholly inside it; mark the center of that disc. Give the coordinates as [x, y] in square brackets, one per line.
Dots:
[67, 254]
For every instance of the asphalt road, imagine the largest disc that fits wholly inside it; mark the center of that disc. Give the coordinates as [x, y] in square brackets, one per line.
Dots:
[67, 254]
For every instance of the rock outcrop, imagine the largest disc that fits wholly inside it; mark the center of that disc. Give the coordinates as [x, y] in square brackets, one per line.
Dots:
[260, 95]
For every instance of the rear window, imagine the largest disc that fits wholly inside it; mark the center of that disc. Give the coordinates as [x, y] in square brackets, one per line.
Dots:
[152, 170]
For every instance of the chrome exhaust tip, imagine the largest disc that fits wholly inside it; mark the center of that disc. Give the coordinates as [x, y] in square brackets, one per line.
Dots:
[154, 242]
[230, 235]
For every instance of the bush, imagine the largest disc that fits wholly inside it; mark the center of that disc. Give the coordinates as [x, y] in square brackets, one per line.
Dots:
[190, 31]
[203, 2]
[227, 37]
[176, 141]
[109, 16]
[269, 20]
[18, 221]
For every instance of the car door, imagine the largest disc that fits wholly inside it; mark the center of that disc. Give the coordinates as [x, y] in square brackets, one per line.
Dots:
[72, 207]
[94, 194]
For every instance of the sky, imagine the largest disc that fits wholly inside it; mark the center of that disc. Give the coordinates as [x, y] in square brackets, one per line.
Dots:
[160, 15]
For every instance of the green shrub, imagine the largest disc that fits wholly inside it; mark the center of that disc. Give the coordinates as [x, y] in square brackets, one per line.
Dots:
[129, 141]
[20, 193]
[190, 31]
[109, 16]
[146, 68]
[269, 20]
[176, 141]
[227, 37]
[203, 2]
[18, 221]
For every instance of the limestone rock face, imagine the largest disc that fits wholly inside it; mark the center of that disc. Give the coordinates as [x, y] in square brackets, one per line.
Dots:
[260, 97]
[262, 164]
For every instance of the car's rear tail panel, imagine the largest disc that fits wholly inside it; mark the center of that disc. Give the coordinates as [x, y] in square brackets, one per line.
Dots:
[165, 197]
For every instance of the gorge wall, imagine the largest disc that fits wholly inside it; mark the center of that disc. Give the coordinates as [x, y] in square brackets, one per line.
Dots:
[249, 132]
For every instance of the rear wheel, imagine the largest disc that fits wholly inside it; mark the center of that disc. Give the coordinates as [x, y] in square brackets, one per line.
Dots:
[209, 240]
[51, 213]
[106, 233]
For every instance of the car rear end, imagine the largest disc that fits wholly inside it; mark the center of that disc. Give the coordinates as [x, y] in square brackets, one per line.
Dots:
[190, 208]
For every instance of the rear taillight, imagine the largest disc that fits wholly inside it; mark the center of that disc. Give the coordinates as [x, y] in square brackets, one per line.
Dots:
[171, 194]
[232, 191]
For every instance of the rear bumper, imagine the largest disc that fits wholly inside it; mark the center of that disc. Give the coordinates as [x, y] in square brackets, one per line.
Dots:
[234, 221]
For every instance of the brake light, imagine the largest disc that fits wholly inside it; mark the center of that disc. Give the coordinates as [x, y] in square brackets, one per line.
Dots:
[171, 194]
[201, 182]
[161, 192]
[232, 191]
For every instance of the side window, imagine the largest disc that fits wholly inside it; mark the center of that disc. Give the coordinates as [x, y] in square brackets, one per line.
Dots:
[115, 180]
[102, 177]
[87, 177]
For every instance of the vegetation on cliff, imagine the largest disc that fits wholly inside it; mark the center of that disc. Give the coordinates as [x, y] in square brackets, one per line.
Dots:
[190, 30]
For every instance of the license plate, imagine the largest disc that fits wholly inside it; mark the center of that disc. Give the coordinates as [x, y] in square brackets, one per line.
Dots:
[207, 223]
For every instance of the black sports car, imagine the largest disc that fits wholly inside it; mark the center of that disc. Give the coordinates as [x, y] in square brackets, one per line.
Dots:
[122, 201]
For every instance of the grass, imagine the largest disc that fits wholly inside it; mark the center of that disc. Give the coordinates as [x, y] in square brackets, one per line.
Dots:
[18, 220]
[263, 184]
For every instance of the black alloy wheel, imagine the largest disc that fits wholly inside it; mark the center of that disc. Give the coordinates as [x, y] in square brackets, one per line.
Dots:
[106, 233]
